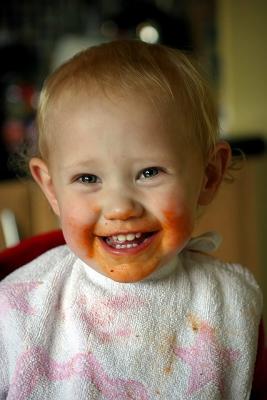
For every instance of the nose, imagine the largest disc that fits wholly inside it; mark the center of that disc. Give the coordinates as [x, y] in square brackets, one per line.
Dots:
[121, 206]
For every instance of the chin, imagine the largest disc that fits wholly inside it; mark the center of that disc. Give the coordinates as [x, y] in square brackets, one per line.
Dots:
[124, 273]
[126, 279]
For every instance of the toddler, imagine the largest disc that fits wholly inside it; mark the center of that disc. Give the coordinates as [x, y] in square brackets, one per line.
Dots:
[132, 307]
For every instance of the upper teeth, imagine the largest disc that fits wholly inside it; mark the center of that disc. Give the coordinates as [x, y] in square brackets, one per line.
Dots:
[122, 238]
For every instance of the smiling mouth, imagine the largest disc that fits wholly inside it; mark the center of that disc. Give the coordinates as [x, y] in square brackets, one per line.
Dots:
[130, 242]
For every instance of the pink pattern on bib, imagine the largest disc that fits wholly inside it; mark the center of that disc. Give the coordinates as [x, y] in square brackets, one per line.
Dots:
[36, 363]
[207, 358]
[100, 318]
[14, 296]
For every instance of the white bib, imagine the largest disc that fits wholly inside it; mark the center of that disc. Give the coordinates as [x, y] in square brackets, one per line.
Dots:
[189, 331]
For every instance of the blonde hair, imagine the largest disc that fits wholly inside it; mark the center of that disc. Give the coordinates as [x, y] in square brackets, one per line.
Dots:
[161, 73]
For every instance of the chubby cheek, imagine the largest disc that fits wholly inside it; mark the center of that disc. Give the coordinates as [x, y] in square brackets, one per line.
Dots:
[177, 230]
[78, 232]
[80, 240]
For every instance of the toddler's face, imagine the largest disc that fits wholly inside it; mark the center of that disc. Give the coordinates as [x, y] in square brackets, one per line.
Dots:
[126, 185]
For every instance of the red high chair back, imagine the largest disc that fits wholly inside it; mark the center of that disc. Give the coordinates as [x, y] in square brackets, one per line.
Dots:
[14, 257]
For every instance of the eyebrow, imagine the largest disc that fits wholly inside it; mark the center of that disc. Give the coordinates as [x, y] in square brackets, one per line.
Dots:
[82, 164]
[96, 162]
[154, 158]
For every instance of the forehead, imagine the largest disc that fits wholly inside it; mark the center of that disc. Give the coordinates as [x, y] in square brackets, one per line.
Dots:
[154, 101]
[117, 130]
[133, 115]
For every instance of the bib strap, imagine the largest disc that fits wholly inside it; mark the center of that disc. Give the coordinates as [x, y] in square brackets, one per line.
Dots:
[206, 243]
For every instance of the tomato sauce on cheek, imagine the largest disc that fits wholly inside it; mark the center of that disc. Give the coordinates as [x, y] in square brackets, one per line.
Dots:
[177, 229]
[79, 235]
[80, 240]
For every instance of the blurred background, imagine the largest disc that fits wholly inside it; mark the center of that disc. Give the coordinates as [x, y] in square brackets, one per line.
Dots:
[227, 37]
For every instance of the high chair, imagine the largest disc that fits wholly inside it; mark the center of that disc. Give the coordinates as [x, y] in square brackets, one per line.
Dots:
[14, 257]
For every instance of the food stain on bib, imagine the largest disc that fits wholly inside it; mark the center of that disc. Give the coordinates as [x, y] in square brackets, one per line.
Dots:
[194, 322]
[166, 347]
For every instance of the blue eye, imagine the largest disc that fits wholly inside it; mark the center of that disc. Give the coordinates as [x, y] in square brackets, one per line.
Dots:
[88, 179]
[149, 172]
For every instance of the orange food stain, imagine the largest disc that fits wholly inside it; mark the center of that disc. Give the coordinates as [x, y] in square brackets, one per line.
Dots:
[122, 268]
[166, 348]
[125, 268]
[85, 241]
[175, 232]
[167, 370]
[177, 228]
[194, 322]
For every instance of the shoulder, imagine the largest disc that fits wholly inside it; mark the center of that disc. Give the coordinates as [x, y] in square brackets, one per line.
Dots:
[32, 290]
[41, 267]
[231, 280]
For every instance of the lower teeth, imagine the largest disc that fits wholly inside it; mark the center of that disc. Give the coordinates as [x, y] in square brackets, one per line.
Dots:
[121, 246]
[125, 246]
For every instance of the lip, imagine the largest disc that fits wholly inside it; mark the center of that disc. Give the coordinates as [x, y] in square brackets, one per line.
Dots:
[133, 250]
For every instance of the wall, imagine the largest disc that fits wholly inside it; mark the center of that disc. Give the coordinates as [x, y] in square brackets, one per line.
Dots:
[242, 34]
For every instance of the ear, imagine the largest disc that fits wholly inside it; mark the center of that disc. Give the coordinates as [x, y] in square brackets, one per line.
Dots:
[216, 167]
[41, 175]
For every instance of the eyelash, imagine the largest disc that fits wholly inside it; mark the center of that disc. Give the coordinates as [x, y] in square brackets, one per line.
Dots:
[86, 179]
[157, 169]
